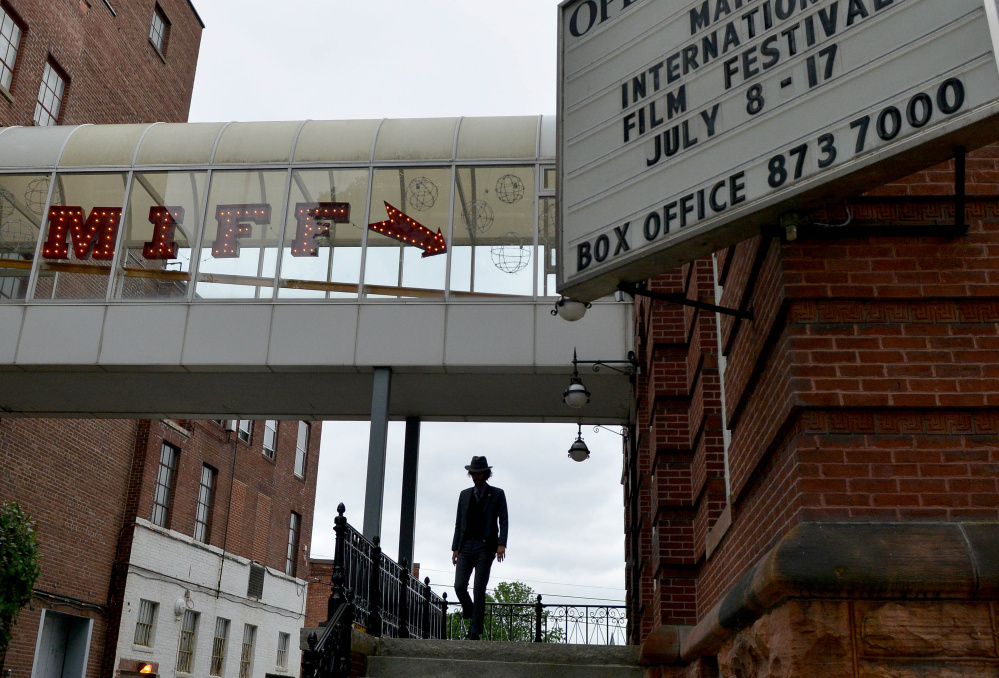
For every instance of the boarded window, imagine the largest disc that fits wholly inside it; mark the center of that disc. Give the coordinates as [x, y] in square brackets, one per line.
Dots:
[255, 589]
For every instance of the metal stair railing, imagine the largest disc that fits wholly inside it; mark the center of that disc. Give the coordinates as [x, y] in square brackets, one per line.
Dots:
[388, 599]
[328, 656]
[382, 597]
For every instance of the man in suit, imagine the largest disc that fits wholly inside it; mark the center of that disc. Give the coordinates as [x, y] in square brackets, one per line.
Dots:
[480, 531]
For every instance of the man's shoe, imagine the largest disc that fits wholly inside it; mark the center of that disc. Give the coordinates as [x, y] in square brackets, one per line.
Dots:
[473, 636]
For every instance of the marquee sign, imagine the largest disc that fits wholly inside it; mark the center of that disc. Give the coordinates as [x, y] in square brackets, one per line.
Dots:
[686, 125]
[97, 234]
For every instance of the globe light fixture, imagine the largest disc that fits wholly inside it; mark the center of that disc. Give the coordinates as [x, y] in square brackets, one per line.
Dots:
[578, 451]
[569, 309]
[576, 395]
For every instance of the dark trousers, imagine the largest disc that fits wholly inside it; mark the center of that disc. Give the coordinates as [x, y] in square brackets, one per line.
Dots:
[473, 555]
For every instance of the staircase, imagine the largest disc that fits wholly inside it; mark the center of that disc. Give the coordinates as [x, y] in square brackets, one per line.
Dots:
[393, 658]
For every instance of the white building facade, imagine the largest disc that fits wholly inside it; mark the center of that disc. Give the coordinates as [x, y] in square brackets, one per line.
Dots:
[192, 610]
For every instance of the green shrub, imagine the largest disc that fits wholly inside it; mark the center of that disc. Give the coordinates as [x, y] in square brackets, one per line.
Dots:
[18, 567]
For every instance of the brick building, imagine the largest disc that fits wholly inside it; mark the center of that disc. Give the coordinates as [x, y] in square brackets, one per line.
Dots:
[814, 491]
[320, 575]
[173, 542]
[97, 61]
[151, 532]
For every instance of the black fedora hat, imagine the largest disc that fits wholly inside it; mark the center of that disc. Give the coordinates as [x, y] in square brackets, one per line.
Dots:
[478, 465]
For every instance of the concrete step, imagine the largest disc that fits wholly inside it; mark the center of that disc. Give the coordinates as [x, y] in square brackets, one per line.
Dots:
[409, 667]
[393, 658]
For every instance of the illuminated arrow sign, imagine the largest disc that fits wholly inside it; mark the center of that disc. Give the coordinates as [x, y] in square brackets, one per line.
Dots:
[402, 227]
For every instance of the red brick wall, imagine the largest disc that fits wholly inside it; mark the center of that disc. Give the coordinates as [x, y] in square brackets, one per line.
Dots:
[71, 476]
[865, 388]
[85, 482]
[679, 449]
[316, 605]
[254, 532]
[115, 74]
[81, 480]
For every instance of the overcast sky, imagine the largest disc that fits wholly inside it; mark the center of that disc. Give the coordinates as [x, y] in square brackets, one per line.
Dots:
[332, 59]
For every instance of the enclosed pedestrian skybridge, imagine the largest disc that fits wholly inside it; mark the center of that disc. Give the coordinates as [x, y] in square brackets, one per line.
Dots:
[266, 269]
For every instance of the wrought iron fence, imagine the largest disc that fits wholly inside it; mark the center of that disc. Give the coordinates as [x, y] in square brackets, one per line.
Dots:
[382, 596]
[378, 583]
[543, 623]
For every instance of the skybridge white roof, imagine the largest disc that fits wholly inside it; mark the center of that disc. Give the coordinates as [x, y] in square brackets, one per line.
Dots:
[297, 142]
[265, 268]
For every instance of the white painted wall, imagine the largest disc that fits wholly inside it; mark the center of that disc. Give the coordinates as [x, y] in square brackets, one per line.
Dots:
[495, 360]
[167, 566]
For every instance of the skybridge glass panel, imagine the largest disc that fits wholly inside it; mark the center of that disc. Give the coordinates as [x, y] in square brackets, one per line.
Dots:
[345, 140]
[178, 143]
[547, 244]
[101, 145]
[242, 233]
[253, 142]
[81, 236]
[493, 244]
[415, 139]
[324, 231]
[22, 201]
[498, 137]
[162, 222]
[333, 210]
[404, 256]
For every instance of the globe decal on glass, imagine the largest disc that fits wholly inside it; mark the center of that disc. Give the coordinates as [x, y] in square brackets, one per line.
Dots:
[478, 216]
[421, 194]
[512, 257]
[16, 237]
[510, 188]
[38, 191]
[6, 203]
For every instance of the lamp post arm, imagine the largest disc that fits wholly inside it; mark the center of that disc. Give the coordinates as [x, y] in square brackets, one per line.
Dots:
[681, 299]
[623, 434]
[631, 364]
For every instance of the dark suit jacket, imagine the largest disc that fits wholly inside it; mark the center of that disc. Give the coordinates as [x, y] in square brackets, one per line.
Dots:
[496, 517]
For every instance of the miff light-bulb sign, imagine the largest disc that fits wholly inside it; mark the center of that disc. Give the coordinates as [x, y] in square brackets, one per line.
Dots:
[686, 125]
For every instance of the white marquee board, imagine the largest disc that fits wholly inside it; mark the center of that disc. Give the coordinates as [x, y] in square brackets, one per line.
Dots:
[685, 125]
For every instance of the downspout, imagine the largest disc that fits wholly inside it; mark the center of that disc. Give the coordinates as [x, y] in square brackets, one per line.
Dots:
[228, 512]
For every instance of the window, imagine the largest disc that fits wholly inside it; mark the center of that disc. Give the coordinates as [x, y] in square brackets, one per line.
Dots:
[291, 560]
[301, 449]
[492, 199]
[50, 94]
[188, 636]
[245, 430]
[203, 518]
[218, 646]
[159, 30]
[144, 626]
[255, 584]
[282, 653]
[10, 39]
[270, 438]
[162, 495]
[246, 656]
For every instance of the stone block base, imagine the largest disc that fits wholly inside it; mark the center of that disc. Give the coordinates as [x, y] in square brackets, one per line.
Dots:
[851, 600]
[866, 639]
